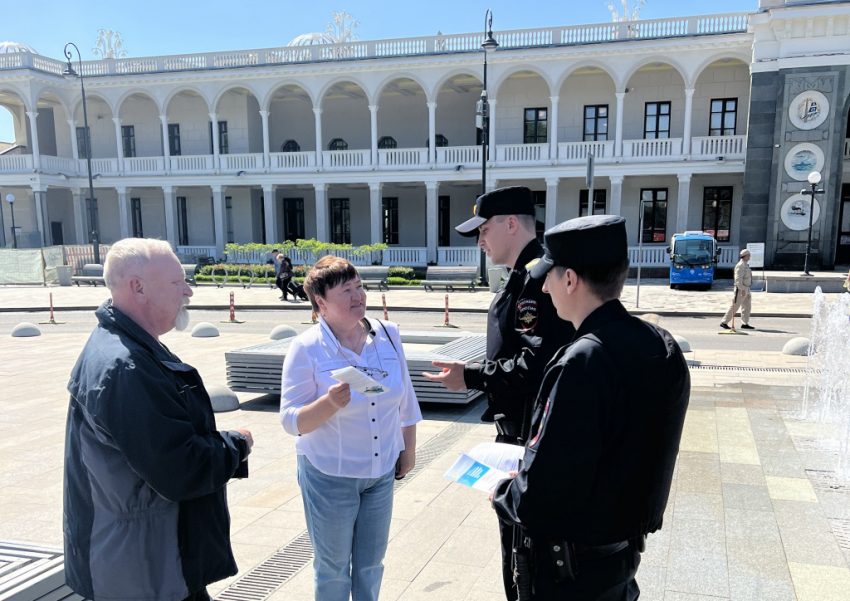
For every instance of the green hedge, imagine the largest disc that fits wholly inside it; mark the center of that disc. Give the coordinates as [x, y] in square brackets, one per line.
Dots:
[232, 278]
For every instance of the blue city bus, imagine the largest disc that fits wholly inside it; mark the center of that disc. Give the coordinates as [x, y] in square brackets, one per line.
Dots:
[693, 259]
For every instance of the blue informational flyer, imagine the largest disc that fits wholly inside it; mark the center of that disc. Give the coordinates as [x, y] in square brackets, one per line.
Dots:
[485, 465]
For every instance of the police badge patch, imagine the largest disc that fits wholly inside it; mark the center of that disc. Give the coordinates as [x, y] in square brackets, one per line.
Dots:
[526, 314]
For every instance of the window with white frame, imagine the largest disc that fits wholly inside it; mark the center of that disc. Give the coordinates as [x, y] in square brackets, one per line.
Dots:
[535, 125]
[599, 202]
[654, 219]
[182, 222]
[340, 221]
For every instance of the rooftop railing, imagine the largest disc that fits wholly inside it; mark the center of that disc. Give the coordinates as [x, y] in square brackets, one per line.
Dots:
[438, 44]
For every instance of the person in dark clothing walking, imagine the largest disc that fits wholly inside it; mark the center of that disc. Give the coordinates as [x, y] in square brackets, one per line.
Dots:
[284, 277]
[145, 509]
[523, 328]
[596, 473]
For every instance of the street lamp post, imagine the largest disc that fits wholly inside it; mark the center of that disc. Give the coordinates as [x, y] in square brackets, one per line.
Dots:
[482, 117]
[814, 179]
[70, 72]
[10, 198]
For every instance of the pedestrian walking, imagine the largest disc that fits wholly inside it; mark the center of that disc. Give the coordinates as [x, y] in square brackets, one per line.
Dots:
[742, 298]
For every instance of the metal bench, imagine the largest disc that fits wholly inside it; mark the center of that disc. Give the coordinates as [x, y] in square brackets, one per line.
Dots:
[374, 275]
[450, 277]
[92, 273]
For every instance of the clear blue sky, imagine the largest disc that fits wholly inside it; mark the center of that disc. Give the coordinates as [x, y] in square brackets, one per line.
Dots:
[154, 27]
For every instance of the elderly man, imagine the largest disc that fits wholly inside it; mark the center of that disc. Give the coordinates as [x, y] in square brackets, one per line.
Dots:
[145, 513]
[742, 299]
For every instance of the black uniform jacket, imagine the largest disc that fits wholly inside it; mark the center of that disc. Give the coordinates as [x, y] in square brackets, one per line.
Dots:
[523, 333]
[598, 467]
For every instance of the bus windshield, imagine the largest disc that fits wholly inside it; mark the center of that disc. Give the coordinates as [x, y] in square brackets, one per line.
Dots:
[692, 252]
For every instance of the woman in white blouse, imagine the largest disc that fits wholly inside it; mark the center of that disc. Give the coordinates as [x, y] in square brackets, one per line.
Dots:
[350, 445]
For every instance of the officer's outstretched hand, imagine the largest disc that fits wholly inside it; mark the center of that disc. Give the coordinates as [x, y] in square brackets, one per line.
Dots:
[451, 375]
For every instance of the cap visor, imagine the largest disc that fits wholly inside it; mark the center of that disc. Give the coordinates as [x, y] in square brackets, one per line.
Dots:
[470, 226]
[541, 268]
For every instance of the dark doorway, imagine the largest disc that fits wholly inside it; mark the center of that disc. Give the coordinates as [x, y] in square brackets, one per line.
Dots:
[842, 252]
[56, 233]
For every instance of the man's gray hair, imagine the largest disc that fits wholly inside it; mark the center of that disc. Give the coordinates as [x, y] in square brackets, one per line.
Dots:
[128, 257]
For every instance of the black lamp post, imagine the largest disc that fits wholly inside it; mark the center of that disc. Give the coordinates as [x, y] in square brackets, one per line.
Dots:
[482, 117]
[70, 72]
[10, 198]
[814, 179]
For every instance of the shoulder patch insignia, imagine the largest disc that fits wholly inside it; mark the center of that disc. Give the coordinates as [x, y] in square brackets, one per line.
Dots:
[526, 314]
[531, 264]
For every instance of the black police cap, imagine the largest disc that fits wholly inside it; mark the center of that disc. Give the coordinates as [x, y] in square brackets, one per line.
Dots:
[584, 242]
[514, 200]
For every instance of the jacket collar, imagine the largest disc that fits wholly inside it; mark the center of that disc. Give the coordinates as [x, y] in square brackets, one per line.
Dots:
[112, 318]
[532, 250]
[613, 310]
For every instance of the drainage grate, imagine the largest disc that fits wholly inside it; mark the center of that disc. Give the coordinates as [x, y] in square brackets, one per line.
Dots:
[841, 530]
[267, 577]
[763, 370]
[827, 480]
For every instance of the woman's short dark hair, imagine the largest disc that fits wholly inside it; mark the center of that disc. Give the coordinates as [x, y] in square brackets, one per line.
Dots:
[327, 273]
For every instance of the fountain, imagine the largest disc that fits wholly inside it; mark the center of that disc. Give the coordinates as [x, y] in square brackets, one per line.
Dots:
[827, 395]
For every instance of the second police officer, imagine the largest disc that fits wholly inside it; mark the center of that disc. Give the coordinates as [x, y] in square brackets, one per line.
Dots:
[523, 329]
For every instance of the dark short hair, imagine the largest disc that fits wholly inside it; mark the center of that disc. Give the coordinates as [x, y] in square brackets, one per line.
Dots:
[274, 250]
[607, 281]
[327, 273]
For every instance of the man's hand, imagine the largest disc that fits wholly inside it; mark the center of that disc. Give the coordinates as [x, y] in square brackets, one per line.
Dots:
[248, 438]
[451, 375]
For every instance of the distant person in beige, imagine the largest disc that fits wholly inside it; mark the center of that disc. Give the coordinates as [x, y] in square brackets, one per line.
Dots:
[742, 299]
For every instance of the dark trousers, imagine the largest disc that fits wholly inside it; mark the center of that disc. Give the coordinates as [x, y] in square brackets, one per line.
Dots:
[506, 536]
[283, 284]
[609, 578]
[200, 595]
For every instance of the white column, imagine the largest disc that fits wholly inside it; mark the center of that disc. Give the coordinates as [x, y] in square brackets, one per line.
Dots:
[686, 135]
[553, 128]
[216, 151]
[39, 199]
[491, 135]
[317, 115]
[618, 128]
[119, 145]
[36, 155]
[432, 190]
[616, 194]
[373, 120]
[264, 115]
[321, 212]
[432, 132]
[551, 202]
[270, 211]
[74, 150]
[166, 149]
[80, 226]
[375, 225]
[682, 202]
[218, 218]
[123, 212]
[169, 202]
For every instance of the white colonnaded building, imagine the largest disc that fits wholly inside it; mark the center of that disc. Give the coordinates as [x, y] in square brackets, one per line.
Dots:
[695, 123]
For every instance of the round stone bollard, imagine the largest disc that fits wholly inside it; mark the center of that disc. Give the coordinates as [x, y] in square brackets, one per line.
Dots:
[25, 329]
[683, 343]
[797, 346]
[204, 329]
[223, 399]
[282, 331]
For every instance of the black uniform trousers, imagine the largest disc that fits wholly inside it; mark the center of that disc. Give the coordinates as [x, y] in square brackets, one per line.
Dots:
[610, 578]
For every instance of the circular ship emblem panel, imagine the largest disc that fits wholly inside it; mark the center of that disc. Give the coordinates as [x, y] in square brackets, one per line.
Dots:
[808, 110]
[802, 159]
[795, 212]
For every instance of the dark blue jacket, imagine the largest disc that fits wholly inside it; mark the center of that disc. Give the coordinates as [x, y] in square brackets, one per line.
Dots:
[145, 513]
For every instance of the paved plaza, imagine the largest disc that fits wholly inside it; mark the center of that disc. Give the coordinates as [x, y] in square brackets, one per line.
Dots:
[755, 512]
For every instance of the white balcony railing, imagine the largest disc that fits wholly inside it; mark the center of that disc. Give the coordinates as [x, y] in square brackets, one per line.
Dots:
[198, 163]
[242, 162]
[293, 161]
[13, 163]
[401, 255]
[403, 157]
[459, 155]
[99, 166]
[576, 152]
[143, 165]
[657, 256]
[53, 164]
[521, 153]
[195, 251]
[713, 147]
[458, 255]
[650, 150]
[346, 159]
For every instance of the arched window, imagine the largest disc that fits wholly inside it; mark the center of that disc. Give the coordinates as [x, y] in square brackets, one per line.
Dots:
[440, 140]
[290, 146]
[387, 142]
[338, 144]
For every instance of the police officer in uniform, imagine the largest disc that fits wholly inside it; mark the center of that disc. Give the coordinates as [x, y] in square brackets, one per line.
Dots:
[596, 473]
[523, 328]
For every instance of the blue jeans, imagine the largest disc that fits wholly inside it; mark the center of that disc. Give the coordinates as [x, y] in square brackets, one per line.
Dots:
[349, 523]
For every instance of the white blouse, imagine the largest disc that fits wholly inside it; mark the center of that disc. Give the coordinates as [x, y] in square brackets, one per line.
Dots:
[363, 439]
